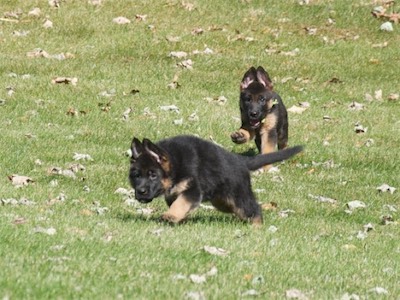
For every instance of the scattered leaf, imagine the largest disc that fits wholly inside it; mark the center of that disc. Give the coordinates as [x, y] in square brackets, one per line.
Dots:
[22, 201]
[19, 181]
[251, 292]
[272, 229]
[186, 64]
[195, 295]
[269, 206]
[387, 220]
[323, 199]
[393, 97]
[296, 109]
[285, 213]
[358, 128]
[215, 251]
[172, 108]
[220, 100]
[121, 20]
[379, 290]
[79, 156]
[141, 18]
[387, 26]
[48, 231]
[356, 106]
[348, 296]
[295, 294]
[65, 80]
[48, 24]
[386, 188]
[178, 54]
[35, 12]
[197, 278]
[356, 204]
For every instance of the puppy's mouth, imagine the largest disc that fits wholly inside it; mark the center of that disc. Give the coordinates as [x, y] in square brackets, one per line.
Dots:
[255, 123]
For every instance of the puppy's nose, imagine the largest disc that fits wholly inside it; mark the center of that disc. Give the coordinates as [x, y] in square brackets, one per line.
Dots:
[141, 191]
[253, 114]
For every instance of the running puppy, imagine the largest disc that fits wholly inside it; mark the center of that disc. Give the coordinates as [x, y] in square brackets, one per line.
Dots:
[263, 113]
[188, 170]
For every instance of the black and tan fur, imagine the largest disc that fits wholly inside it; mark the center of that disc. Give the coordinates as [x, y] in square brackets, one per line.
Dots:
[263, 114]
[188, 170]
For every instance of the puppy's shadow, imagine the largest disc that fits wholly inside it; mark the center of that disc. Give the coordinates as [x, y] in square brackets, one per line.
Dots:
[249, 152]
[195, 218]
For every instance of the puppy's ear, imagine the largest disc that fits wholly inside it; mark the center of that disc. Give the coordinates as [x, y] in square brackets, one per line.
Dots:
[248, 78]
[158, 154]
[136, 148]
[263, 78]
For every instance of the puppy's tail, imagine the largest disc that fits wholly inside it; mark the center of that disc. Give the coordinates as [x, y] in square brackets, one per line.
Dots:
[255, 162]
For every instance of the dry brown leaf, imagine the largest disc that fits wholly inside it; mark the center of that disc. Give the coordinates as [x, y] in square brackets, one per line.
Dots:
[65, 80]
[269, 206]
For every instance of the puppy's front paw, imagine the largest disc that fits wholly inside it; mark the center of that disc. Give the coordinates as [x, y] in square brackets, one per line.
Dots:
[166, 217]
[238, 137]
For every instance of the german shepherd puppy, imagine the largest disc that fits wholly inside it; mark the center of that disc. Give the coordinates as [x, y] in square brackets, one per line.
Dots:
[188, 170]
[263, 113]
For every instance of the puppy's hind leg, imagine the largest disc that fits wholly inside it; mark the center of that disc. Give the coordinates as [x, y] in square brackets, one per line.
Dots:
[247, 209]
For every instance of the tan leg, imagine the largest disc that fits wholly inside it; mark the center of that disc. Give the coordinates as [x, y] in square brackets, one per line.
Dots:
[178, 210]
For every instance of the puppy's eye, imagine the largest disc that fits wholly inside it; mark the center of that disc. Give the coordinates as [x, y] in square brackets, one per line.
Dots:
[262, 99]
[152, 175]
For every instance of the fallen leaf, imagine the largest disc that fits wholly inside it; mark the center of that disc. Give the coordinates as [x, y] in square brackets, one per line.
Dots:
[197, 278]
[379, 290]
[348, 296]
[65, 80]
[386, 188]
[121, 20]
[295, 294]
[393, 97]
[193, 117]
[141, 17]
[19, 181]
[178, 121]
[197, 31]
[178, 54]
[172, 108]
[186, 64]
[356, 106]
[251, 292]
[356, 204]
[195, 296]
[387, 220]
[296, 109]
[35, 12]
[48, 231]
[48, 24]
[387, 26]
[79, 156]
[216, 251]
[12, 201]
[269, 206]
[358, 128]
[323, 199]
[272, 229]
[285, 213]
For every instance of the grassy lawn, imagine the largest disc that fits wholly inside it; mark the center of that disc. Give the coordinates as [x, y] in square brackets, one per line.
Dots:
[72, 231]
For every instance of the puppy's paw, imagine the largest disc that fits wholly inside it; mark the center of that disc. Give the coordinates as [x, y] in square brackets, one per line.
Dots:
[238, 137]
[166, 217]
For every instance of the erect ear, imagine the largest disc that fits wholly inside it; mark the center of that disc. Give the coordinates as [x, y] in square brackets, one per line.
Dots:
[248, 78]
[263, 78]
[158, 154]
[136, 148]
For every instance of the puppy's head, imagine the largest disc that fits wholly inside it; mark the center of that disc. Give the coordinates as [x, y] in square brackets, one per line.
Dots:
[256, 96]
[149, 170]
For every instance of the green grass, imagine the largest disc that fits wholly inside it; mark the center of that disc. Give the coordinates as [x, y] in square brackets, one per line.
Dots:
[117, 255]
